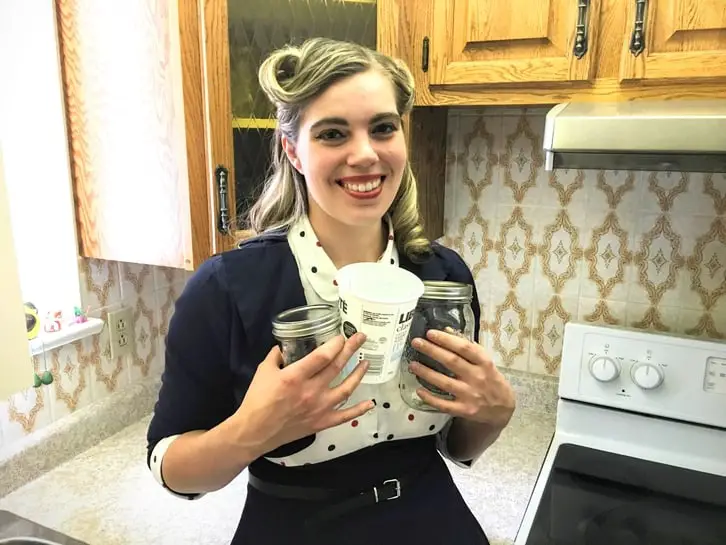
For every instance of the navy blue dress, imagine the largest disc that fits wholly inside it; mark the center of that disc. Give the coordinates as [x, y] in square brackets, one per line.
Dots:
[220, 331]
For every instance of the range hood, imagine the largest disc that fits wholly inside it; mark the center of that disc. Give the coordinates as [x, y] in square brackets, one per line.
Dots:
[672, 135]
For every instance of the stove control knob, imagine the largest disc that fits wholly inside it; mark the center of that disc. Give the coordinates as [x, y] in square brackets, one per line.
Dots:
[647, 376]
[604, 369]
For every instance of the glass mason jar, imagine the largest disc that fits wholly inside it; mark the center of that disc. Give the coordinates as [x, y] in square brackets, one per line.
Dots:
[301, 330]
[444, 306]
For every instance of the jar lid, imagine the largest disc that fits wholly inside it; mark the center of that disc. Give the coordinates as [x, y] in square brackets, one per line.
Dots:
[305, 320]
[446, 290]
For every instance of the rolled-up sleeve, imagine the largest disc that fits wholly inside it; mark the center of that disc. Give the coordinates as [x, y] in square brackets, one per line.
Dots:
[197, 385]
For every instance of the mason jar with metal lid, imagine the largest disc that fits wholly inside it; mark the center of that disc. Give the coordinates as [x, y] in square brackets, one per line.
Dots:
[301, 330]
[445, 306]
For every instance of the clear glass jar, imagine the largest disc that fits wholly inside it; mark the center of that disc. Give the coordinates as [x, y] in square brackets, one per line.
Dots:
[301, 330]
[444, 306]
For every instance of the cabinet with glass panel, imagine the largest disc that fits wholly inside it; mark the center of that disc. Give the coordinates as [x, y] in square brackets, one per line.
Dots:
[238, 124]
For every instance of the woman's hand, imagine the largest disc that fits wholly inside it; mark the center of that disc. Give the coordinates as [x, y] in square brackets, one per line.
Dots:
[286, 404]
[481, 392]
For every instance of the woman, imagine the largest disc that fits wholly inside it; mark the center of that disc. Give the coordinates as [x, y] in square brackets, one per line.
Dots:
[350, 464]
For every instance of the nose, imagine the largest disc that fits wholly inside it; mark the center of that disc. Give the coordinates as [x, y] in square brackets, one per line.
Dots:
[361, 152]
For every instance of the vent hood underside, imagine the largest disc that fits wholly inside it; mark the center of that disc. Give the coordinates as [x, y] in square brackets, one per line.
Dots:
[679, 136]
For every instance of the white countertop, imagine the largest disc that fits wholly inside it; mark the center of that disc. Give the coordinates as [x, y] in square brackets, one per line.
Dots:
[106, 495]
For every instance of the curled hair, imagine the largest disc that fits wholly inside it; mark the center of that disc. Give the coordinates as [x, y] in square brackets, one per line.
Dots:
[291, 78]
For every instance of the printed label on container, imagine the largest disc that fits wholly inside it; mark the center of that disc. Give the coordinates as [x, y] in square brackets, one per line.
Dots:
[386, 329]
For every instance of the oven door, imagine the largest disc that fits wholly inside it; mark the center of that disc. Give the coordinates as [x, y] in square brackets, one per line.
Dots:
[618, 478]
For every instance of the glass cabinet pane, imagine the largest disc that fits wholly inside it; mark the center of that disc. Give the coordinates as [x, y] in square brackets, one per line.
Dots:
[257, 27]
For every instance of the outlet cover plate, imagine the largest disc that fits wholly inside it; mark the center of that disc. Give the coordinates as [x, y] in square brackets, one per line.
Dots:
[121, 331]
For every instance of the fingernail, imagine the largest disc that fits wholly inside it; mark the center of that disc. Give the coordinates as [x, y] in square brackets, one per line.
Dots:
[417, 343]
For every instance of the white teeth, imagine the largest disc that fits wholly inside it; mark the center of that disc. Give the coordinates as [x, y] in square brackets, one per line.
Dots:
[363, 188]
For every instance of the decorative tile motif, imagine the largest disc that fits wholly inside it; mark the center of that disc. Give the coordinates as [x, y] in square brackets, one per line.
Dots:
[707, 265]
[166, 300]
[510, 329]
[522, 159]
[659, 259]
[146, 334]
[615, 184]
[99, 283]
[515, 247]
[711, 185]
[549, 332]
[560, 251]
[667, 186]
[607, 255]
[707, 327]
[566, 189]
[480, 158]
[24, 408]
[601, 315]
[473, 240]
[651, 320]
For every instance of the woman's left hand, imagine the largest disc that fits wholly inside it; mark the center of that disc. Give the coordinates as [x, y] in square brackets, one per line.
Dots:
[481, 392]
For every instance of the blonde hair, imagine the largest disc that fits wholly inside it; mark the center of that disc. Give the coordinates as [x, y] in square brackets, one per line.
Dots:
[291, 78]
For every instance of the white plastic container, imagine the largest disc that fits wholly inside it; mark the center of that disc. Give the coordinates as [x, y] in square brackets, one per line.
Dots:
[378, 300]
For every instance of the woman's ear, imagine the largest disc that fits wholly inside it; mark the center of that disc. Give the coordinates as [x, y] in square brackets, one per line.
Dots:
[291, 153]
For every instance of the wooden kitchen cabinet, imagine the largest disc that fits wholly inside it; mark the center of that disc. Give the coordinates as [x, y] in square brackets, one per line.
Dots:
[169, 132]
[477, 42]
[522, 52]
[675, 40]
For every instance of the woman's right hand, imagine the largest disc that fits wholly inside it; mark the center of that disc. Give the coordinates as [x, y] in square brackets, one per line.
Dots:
[286, 404]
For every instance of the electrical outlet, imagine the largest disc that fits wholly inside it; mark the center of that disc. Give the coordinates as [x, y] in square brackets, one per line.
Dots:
[121, 331]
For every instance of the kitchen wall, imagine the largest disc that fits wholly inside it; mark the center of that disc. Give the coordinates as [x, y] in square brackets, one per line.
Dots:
[84, 371]
[637, 249]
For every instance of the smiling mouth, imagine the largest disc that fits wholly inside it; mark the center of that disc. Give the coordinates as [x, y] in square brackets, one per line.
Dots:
[362, 185]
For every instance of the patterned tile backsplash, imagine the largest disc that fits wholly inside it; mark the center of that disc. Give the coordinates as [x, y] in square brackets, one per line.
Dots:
[84, 371]
[637, 249]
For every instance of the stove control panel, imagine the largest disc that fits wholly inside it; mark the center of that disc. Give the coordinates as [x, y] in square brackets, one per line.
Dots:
[652, 373]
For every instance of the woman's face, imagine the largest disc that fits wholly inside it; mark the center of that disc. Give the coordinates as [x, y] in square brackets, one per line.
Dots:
[351, 150]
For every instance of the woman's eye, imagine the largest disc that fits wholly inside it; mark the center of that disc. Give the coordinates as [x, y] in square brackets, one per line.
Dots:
[385, 128]
[330, 134]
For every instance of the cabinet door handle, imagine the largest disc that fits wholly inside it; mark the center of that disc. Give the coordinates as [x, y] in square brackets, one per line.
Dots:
[221, 174]
[583, 7]
[637, 41]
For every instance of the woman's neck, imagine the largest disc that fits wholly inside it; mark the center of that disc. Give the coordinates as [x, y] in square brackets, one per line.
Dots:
[346, 244]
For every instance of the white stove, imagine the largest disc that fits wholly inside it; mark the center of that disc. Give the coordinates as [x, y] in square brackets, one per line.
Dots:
[638, 456]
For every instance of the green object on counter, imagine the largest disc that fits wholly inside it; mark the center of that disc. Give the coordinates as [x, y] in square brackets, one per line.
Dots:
[36, 381]
[47, 378]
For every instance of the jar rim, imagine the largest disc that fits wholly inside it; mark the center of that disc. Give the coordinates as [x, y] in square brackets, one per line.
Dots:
[447, 290]
[305, 320]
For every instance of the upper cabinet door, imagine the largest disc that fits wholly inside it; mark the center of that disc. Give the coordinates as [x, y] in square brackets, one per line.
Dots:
[239, 35]
[513, 41]
[675, 39]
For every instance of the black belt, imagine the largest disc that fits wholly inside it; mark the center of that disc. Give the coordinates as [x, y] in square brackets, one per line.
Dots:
[388, 490]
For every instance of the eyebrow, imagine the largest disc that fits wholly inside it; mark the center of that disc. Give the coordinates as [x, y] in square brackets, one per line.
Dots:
[344, 122]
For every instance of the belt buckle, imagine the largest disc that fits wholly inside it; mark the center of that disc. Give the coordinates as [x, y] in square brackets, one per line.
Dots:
[396, 494]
